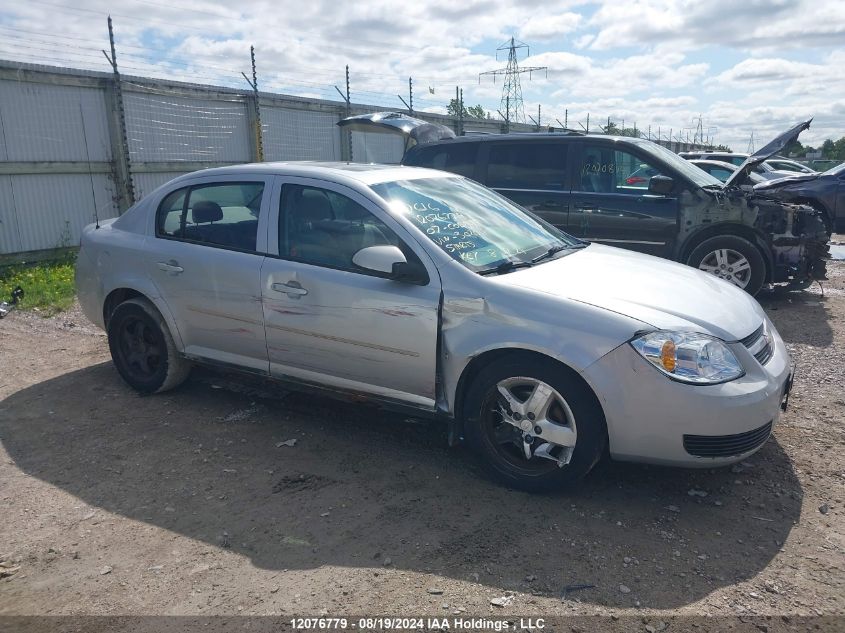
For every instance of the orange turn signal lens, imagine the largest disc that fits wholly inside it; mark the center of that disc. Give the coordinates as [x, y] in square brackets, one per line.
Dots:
[667, 356]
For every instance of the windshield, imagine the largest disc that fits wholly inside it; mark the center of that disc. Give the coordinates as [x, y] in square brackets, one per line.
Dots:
[698, 176]
[835, 171]
[474, 225]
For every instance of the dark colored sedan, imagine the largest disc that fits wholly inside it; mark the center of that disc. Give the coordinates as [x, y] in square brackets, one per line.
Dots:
[825, 192]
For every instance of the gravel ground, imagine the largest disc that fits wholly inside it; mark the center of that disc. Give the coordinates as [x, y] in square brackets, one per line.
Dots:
[200, 502]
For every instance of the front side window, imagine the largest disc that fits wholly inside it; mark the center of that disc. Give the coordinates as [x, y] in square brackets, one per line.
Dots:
[223, 215]
[607, 170]
[527, 166]
[325, 228]
[474, 225]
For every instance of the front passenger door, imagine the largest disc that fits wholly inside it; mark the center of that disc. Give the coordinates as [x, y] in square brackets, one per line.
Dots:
[332, 323]
[611, 202]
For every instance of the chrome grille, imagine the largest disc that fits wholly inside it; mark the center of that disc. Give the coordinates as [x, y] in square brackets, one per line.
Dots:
[759, 344]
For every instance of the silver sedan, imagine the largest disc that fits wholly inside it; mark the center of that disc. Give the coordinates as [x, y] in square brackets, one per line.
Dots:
[424, 291]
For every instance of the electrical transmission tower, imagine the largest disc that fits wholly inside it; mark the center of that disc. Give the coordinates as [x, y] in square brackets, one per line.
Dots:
[751, 148]
[512, 108]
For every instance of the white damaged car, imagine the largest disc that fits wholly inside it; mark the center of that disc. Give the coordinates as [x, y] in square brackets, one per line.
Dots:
[424, 291]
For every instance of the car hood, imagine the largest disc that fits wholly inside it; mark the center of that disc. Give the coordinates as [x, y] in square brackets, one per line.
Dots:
[773, 147]
[657, 292]
[778, 183]
[415, 131]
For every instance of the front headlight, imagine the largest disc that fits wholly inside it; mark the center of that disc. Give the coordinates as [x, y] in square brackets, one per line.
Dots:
[689, 357]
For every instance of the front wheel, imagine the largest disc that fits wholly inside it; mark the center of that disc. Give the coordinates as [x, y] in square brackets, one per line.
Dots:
[534, 424]
[733, 259]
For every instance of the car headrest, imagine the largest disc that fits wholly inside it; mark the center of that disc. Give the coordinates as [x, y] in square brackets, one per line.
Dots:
[206, 211]
[314, 206]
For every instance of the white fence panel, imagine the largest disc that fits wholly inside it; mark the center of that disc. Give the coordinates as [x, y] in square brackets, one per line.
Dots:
[10, 236]
[369, 147]
[53, 209]
[164, 127]
[43, 122]
[290, 134]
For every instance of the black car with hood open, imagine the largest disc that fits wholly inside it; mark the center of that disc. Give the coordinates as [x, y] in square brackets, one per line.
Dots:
[632, 193]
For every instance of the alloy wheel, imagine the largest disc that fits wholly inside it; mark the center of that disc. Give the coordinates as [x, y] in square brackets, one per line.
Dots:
[141, 347]
[530, 424]
[727, 264]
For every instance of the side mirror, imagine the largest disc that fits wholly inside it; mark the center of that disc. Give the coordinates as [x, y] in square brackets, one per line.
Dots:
[390, 260]
[661, 185]
[380, 259]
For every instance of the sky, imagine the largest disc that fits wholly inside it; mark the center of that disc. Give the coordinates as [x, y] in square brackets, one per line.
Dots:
[741, 66]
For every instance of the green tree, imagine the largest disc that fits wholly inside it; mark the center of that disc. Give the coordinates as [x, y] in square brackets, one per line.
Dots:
[476, 111]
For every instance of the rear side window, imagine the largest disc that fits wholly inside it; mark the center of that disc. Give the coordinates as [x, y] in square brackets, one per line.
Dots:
[223, 215]
[527, 166]
[459, 158]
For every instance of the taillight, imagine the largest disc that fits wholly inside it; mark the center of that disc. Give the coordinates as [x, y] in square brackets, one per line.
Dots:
[634, 180]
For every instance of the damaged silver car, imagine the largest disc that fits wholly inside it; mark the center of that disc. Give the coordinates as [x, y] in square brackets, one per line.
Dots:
[423, 291]
[635, 194]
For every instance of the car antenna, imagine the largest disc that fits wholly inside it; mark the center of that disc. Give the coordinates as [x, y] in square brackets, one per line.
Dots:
[88, 159]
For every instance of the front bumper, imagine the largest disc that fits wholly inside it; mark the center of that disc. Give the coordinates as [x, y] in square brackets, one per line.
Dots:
[648, 415]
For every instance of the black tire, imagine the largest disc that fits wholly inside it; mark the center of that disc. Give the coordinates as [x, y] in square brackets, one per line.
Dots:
[502, 461]
[705, 255]
[143, 350]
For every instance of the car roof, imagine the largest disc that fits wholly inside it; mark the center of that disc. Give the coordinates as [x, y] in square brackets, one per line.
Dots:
[365, 173]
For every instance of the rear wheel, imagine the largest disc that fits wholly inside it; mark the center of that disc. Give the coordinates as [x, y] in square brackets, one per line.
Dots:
[733, 259]
[142, 348]
[534, 424]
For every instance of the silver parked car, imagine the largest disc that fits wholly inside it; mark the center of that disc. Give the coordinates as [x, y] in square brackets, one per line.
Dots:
[426, 291]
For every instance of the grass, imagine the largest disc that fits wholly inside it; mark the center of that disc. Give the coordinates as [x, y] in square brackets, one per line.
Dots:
[48, 285]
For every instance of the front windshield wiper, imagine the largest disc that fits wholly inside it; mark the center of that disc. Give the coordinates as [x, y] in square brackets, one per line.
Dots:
[505, 267]
[554, 250]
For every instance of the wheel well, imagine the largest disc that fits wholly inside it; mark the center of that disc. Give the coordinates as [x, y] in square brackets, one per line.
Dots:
[115, 298]
[479, 362]
[737, 230]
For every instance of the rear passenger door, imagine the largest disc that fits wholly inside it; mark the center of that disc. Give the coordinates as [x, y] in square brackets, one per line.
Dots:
[204, 256]
[611, 202]
[532, 173]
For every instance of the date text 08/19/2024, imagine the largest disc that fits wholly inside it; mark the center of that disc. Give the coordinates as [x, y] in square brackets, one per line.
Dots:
[410, 623]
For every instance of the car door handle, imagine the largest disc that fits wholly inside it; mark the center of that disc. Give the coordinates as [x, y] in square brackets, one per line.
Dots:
[171, 267]
[291, 289]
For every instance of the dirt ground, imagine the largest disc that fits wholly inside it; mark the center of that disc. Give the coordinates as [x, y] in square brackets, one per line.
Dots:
[195, 502]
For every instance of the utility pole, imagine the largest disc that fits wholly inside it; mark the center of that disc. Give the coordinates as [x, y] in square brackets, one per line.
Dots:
[512, 89]
[256, 111]
[117, 129]
[461, 110]
[348, 101]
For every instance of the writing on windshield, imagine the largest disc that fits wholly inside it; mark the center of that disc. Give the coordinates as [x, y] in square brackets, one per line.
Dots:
[471, 223]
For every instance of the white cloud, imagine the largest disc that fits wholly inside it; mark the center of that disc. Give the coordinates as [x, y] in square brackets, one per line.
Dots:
[754, 64]
[549, 27]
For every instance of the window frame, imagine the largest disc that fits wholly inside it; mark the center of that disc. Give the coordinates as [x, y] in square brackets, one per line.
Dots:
[233, 179]
[408, 244]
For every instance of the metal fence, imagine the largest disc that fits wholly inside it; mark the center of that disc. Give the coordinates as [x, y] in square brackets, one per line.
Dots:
[62, 159]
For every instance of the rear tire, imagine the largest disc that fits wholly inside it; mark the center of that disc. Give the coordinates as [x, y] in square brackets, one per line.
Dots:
[142, 348]
[572, 411]
[733, 259]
